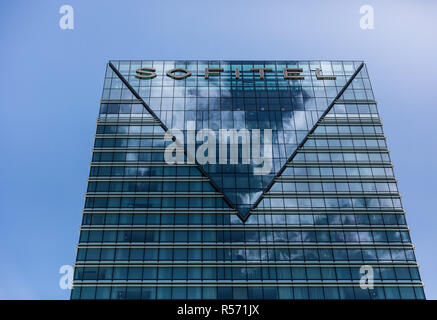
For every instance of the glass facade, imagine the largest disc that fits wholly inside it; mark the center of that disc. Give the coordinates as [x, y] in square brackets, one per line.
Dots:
[309, 228]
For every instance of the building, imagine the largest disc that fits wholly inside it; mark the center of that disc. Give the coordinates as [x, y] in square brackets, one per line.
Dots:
[312, 211]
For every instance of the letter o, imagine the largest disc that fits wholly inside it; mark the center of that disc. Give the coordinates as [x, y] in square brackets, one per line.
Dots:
[171, 73]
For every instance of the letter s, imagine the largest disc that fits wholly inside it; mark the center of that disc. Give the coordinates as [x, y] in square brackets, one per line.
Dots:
[145, 73]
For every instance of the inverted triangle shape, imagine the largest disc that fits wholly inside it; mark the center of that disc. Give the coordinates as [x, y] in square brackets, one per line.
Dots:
[291, 113]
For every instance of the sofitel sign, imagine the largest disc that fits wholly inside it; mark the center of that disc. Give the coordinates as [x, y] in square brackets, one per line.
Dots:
[181, 73]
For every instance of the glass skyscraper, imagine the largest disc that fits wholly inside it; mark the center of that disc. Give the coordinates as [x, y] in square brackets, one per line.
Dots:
[312, 213]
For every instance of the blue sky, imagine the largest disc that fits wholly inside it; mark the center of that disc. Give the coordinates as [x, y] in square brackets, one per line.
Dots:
[52, 80]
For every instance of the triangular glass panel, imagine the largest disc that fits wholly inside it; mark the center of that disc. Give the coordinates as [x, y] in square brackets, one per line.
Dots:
[286, 97]
[354, 106]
